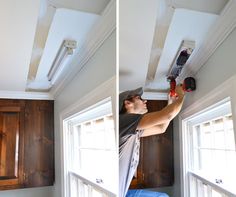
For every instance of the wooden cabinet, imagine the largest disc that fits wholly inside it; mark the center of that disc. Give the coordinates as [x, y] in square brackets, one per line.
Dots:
[156, 165]
[26, 143]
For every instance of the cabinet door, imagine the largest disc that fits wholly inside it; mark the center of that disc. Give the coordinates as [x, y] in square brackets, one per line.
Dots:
[156, 166]
[39, 146]
[11, 147]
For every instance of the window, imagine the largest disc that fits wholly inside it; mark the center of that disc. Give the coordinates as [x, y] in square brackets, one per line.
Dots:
[210, 152]
[91, 150]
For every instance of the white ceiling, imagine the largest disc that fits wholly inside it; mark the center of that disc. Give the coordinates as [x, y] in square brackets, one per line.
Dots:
[18, 21]
[136, 28]
[146, 64]
[25, 28]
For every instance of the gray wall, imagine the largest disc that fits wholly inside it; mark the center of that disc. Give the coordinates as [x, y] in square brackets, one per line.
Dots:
[100, 68]
[220, 67]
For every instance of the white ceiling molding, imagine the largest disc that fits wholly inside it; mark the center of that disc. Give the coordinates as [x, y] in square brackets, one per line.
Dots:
[155, 96]
[25, 95]
[90, 6]
[218, 33]
[98, 34]
[209, 6]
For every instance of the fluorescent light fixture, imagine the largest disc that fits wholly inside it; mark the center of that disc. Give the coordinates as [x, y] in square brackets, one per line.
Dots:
[65, 49]
[185, 50]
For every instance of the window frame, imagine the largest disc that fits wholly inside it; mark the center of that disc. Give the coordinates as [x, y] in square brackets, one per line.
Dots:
[95, 97]
[217, 96]
[97, 111]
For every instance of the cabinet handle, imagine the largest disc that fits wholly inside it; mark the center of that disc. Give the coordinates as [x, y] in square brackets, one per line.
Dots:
[25, 177]
[2, 134]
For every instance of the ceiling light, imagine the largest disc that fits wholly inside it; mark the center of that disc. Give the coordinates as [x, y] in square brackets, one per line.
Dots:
[65, 49]
[185, 50]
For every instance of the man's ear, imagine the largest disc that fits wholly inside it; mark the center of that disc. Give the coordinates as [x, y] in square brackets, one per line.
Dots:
[127, 102]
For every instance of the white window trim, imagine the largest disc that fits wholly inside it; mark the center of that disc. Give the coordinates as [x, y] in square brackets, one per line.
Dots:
[221, 93]
[101, 93]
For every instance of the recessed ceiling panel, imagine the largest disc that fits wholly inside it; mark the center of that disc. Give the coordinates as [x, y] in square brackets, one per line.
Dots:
[66, 25]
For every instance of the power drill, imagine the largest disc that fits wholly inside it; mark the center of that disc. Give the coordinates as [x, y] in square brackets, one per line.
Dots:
[188, 85]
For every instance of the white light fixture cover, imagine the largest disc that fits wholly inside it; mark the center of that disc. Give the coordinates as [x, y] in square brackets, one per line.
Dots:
[185, 50]
[65, 49]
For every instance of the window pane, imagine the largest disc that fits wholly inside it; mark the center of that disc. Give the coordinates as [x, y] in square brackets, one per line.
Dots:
[206, 192]
[229, 134]
[96, 193]
[216, 194]
[86, 135]
[219, 163]
[206, 160]
[110, 137]
[229, 173]
[205, 135]
[74, 190]
[219, 133]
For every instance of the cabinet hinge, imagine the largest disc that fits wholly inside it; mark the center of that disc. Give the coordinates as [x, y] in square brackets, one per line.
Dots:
[143, 176]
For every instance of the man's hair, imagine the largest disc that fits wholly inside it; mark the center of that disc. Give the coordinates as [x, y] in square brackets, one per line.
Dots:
[128, 94]
[123, 109]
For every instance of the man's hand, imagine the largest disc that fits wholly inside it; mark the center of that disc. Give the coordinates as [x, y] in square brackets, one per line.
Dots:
[179, 90]
[171, 99]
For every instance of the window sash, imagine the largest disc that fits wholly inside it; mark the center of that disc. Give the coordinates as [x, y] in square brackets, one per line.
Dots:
[223, 108]
[199, 149]
[211, 186]
[100, 113]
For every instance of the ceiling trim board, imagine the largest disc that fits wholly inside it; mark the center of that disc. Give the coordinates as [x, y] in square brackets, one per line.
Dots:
[102, 30]
[223, 27]
[25, 95]
[155, 96]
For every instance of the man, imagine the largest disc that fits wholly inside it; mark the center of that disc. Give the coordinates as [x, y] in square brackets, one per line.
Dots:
[135, 122]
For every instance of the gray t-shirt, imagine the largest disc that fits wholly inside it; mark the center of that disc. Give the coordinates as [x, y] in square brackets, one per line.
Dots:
[129, 144]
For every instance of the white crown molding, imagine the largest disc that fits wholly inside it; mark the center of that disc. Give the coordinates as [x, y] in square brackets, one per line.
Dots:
[25, 95]
[218, 33]
[155, 96]
[101, 31]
